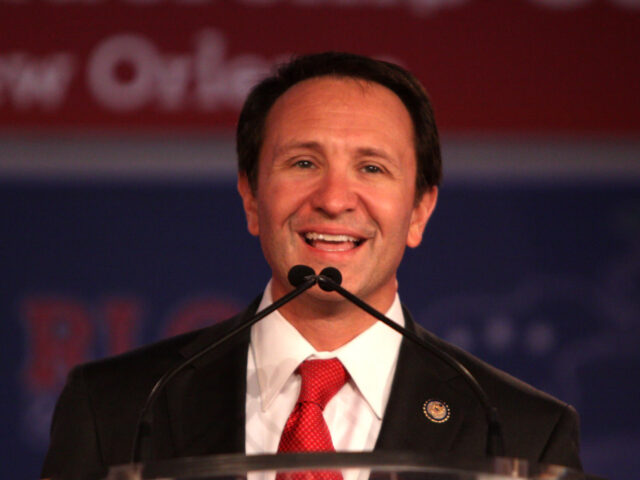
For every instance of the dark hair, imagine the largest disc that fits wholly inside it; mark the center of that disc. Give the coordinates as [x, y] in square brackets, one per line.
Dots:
[250, 131]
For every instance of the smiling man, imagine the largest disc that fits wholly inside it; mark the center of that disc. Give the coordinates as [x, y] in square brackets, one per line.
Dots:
[336, 185]
[339, 165]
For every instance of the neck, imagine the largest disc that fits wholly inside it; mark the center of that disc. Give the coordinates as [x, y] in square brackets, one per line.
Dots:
[328, 325]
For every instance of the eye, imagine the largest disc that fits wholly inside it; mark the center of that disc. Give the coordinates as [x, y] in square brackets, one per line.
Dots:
[303, 164]
[371, 169]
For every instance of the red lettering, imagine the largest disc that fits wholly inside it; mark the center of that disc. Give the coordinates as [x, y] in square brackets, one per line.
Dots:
[59, 333]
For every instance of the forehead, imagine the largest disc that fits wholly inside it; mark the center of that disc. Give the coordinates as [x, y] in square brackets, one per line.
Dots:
[344, 104]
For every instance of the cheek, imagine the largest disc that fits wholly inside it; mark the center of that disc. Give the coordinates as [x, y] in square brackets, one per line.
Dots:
[266, 220]
[392, 212]
[277, 204]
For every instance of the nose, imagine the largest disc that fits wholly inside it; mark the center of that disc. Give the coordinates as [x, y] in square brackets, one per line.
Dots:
[334, 193]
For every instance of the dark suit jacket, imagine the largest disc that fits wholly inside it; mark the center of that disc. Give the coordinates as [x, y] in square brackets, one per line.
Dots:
[202, 410]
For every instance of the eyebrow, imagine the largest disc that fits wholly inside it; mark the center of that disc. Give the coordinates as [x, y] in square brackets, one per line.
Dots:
[316, 146]
[294, 145]
[373, 152]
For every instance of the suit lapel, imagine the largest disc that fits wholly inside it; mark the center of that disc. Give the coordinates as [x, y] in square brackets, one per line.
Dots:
[206, 402]
[422, 377]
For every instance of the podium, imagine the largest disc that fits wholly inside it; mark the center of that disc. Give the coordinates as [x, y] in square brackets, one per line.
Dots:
[378, 465]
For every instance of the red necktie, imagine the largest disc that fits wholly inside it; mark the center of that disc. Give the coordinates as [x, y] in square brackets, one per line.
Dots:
[306, 430]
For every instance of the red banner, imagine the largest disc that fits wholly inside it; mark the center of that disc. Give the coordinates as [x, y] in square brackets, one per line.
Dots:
[567, 66]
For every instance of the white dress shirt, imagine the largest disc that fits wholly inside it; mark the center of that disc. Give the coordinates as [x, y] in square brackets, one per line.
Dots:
[353, 415]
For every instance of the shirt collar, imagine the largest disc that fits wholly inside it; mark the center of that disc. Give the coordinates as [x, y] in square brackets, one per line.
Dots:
[278, 349]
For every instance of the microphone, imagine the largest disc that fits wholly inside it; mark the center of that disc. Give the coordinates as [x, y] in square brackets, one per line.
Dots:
[300, 276]
[330, 279]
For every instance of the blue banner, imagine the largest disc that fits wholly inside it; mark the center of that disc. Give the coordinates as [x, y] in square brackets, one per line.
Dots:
[542, 280]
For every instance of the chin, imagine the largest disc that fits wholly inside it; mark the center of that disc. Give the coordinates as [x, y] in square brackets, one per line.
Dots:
[317, 295]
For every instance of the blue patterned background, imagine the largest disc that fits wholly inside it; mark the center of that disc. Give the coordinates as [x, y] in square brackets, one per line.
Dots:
[539, 278]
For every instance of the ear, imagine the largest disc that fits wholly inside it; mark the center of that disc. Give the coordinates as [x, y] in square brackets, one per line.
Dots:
[249, 203]
[420, 216]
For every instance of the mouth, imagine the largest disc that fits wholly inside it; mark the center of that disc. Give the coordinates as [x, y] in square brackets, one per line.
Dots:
[332, 242]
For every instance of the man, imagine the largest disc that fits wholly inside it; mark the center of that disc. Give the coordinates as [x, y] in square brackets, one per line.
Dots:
[339, 165]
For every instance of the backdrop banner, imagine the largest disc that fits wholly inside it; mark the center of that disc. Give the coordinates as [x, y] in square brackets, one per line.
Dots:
[505, 65]
[120, 224]
[540, 280]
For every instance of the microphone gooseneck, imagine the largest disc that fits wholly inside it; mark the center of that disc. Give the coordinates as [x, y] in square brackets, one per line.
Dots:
[330, 279]
[300, 276]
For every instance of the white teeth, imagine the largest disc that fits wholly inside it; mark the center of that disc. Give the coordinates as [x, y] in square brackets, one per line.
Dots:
[325, 237]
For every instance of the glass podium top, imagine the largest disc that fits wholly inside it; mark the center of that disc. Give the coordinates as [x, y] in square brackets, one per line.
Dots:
[371, 465]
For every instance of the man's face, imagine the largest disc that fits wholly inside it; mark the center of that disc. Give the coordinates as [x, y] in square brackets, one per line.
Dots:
[336, 186]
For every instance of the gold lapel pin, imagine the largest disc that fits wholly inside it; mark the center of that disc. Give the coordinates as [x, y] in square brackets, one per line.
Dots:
[436, 411]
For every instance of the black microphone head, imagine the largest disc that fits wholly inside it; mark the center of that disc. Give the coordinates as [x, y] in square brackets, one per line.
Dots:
[333, 275]
[299, 273]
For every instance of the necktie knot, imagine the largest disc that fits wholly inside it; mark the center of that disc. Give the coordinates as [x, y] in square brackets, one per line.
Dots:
[321, 380]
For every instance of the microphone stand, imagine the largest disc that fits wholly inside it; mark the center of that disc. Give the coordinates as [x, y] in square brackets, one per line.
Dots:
[143, 428]
[330, 279]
